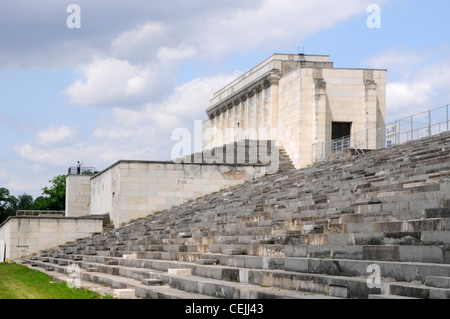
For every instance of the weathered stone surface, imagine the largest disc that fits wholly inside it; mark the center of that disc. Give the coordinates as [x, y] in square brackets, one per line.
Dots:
[282, 233]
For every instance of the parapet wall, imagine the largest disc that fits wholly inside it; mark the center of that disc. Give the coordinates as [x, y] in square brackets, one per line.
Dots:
[244, 152]
[78, 194]
[130, 190]
[24, 236]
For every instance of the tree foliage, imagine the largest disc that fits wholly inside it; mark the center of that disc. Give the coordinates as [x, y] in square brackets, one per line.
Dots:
[53, 198]
[8, 204]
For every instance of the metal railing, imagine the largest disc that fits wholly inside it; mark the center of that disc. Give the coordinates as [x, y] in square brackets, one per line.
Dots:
[40, 213]
[410, 128]
[81, 170]
[418, 126]
[368, 139]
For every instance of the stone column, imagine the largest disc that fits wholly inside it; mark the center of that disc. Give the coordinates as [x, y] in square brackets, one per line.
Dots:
[212, 128]
[253, 114]
[222, 128]
[227, 124]
[370, 114]
[320, 111]
[246, 115]
[272, 83]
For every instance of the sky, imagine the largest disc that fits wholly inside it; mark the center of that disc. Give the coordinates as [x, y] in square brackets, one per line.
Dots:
[110, 80]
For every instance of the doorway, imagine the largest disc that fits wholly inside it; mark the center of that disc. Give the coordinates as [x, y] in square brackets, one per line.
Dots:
[340, 130]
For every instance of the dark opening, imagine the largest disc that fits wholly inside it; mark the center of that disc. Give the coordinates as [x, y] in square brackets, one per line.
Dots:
[340, 130]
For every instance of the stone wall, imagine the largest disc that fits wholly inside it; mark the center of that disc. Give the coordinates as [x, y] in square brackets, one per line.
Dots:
[131, 190]
[78, 195]
[24, 236]
[295, 103]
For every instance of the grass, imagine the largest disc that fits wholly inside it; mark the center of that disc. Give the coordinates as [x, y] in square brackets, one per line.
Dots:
[20, 282]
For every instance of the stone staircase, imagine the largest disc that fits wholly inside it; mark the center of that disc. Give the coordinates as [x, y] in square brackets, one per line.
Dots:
[246, 152]
[309, 233]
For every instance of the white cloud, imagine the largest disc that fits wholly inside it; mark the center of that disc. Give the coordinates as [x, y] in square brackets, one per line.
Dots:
[404, 99]
[54, 135]
[130, 66]
[123, 133]
[174, 54]
[108, 80]
[397, 60]
[39, 154]
[141, 64]
[151, 126]
[417, 79]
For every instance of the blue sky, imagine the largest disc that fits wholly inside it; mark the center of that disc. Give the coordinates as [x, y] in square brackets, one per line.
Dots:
[118, 86]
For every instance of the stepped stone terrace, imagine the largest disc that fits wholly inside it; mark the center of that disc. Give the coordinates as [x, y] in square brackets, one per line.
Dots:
[316, 232]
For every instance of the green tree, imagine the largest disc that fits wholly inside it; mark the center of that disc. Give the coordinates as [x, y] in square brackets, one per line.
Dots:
[8, 204]
[24, 202]
[54, 197]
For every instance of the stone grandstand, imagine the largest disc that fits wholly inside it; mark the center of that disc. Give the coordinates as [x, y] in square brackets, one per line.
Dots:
[316, 232]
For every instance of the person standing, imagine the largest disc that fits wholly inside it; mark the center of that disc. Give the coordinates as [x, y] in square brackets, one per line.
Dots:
[79, 167]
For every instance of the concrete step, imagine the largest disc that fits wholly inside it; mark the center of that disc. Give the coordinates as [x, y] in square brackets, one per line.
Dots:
[389, 297]
[419, 291]
[431, 224]
[438, 282]
[118, 283]
[234, 290]
[400, 271]
[437, 213]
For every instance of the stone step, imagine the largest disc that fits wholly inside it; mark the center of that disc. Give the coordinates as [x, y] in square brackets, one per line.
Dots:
[389, 297]
[431, 224]
[207, 261]
[364, 256]
[125, 293]
[233, 290]
[419, 291]
[152, 282]
[400, 271]
[437, 213]
[179, 271]
[437, 282]
[166, 292]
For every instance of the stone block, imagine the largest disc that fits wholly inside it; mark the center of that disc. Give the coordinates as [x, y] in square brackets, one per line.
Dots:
[440, 294]
[338, 291]
[424, 254]
[296, 264]
[364, 227]
[437, 213]
[315, 239]
[273, 263]
[236, 261]
[438, 282]
[179, 272]
[124, 293]
[347, 252]
[435, 237]
[352, 218]
[253, 262]
[319, 251]
[410, 291]
[295, 251]
[382, 253]
[152, 282]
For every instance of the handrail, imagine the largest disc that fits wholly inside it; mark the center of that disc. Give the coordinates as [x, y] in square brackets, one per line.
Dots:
[74, 170]
[409, 128]
[39, 212]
